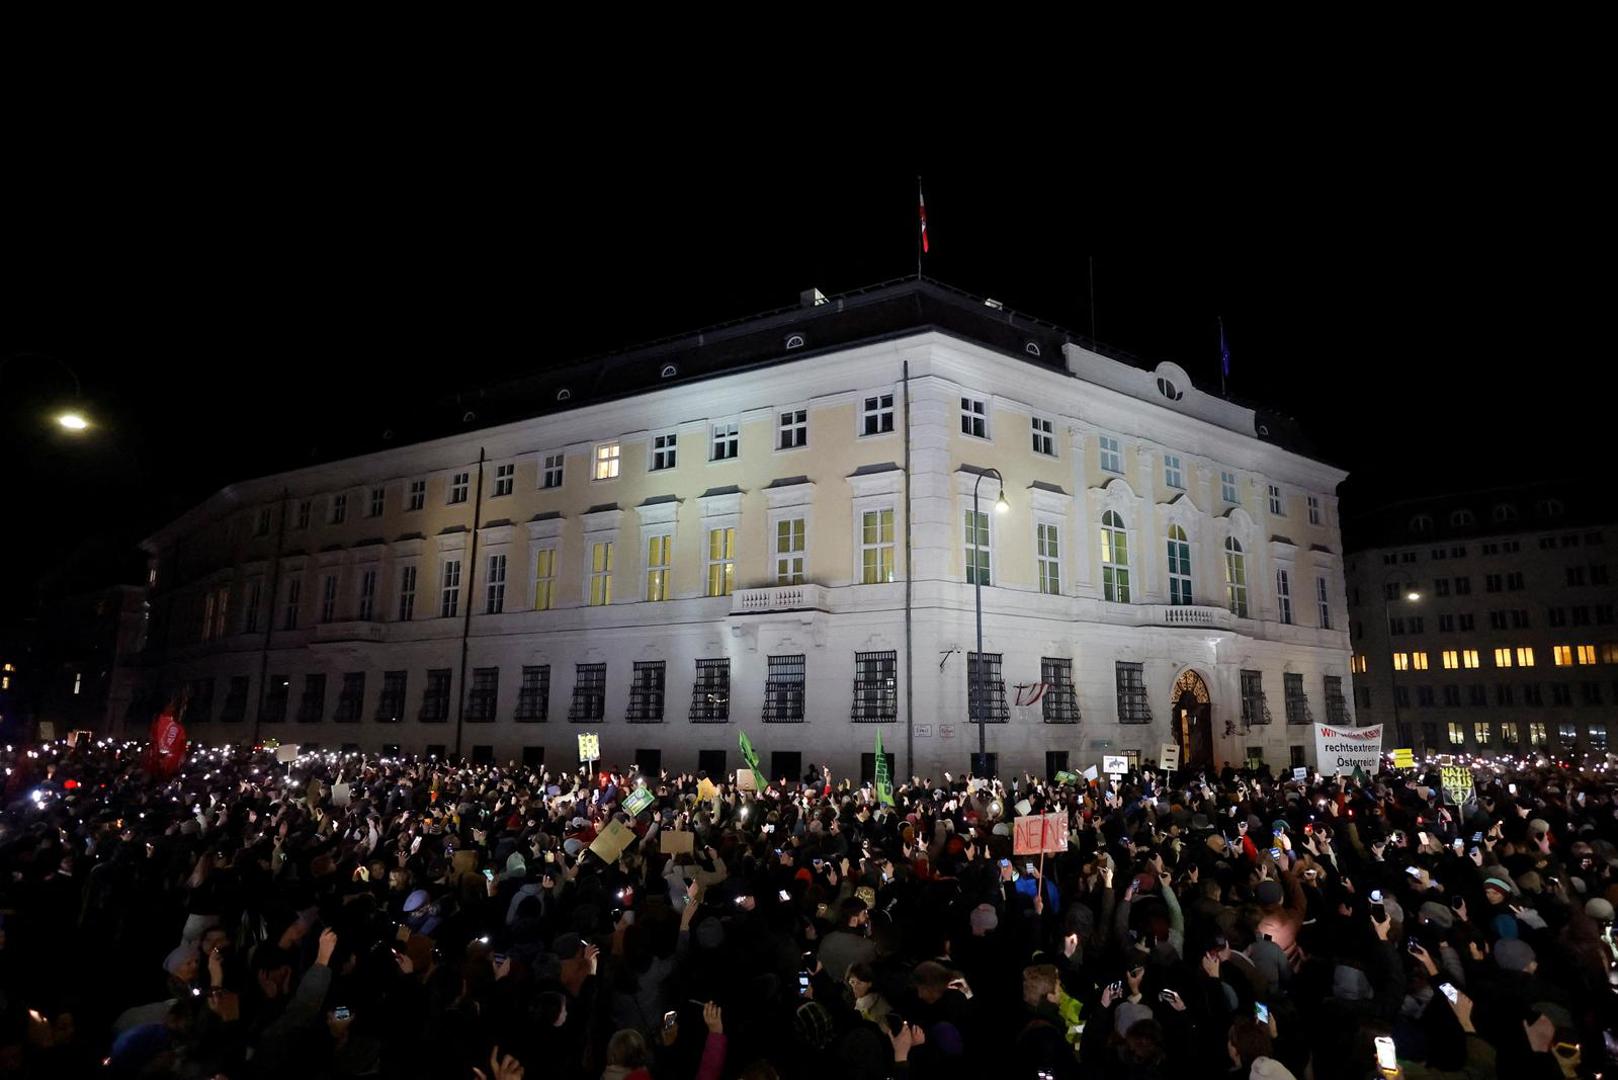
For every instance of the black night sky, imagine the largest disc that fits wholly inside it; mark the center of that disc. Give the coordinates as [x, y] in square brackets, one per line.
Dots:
[1419, 299]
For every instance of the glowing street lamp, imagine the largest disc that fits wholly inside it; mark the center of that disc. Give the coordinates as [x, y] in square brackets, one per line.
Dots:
[72, 421]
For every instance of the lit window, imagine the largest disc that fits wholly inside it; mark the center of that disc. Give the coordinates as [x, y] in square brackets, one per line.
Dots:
[607, 461]
[1482, 732]
[1457, 733]
[1112, 458]
[1562, 655]
[1587, 654]
[1235, 578]
[790, 534]
[877, 415]
[1048, 554]
[78, 682]
[1525, 656]
[1179, 566]
[1502, 658]
[1044, 440]
[1469, 658]
[505, 478]
[458, 487]
[1536, 733]
[659, 549]
[601, 572]
[1401, 661]
[1283, 594]
[794, 429]
[550, 471]
[1418, 660]
[721, 561]
[1227, 487]
[1173, 474]
[977, 547]
[726, 442]
[876, 547]
[665, 450]
[450, 602]
[545, 579]
[1452, 659]
[1314, 510]
[1114, 558]
[975, 417]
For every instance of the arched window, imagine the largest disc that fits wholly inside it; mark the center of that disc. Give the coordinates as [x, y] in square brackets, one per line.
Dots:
[669, 371]
[1462, 517]
[1549, 508]
[1179, 566]
[1167, 388]
[1235, 578]
[1114, 558]
[1421, 523]
[1504, 512]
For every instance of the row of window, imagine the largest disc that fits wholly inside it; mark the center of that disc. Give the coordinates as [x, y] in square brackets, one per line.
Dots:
[1561, 656]
[1504, 694]
[875, 694]
[1500, 514]
[1498, 547]
[1511, 735]
[1499, 619]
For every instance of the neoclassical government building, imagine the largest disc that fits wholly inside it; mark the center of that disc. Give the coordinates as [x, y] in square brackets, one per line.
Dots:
[768, 526]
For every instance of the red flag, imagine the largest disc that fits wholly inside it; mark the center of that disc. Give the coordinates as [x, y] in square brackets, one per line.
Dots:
[922, 205]
[167, 751]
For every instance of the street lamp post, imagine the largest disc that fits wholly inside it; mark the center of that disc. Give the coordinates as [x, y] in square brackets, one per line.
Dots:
[978, 570]
[1411, 596]
[72, 420]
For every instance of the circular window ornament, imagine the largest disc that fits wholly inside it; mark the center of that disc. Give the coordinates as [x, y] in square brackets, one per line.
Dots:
[669, 371]
[1167, 388]
[564, 395]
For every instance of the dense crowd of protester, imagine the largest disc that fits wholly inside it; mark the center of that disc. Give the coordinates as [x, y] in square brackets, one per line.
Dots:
[350, 916]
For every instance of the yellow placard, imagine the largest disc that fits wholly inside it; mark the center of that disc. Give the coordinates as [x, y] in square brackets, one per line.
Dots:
[1404, 759]
[706, 789]
[589, 748]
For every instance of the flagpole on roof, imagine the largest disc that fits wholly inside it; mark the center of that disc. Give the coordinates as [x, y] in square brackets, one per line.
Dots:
[1224, 359]
[921, 234]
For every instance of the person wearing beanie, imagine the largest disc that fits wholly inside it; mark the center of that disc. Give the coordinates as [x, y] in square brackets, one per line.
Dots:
[1282, 913]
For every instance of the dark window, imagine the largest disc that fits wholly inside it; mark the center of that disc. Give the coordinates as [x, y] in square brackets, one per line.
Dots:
[783, 690]
[710, 693]
[1591, 692]
[1561, 694]
[482, 754]
[1402, 696]
[1362, 697]
[534, 696]
[1503, 694]
[1531, 694]
[589, 693]
[712, 762]
[1581, 615]
[390, 750]
[1519, 620]
[275, 699]
[1476, 695]
[1466, 622]
[1060, 705]
[483, 699]
[199, 709]
[986, 692]
[1255, 710]
[312, 709]
[1575, 575]
[1452, 695]
[1497, 620]
[649, 762]
[1514, 580]
[435, 698]
[235, 708]
[1297, 701]
[1441, 587]
[1055, 762]
[390, 705]
[1598, 574]
[985, 764]
[437, 750]
[1133, 708]
[1298, 760]
[533, 757]
[1425, 697]
[1429, 734]
[1446, 624]
[1492, 582]
[876, 687]
[351, 698]
[1417, 626]
[868, 767]
[786, 765]
[646, 693]
[1556, 616]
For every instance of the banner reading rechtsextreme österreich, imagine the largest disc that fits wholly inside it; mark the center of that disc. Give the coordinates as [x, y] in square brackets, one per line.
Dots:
[1343, 749]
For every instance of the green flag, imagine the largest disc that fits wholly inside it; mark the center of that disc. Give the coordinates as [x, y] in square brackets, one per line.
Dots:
[750, 756]
[884, 782]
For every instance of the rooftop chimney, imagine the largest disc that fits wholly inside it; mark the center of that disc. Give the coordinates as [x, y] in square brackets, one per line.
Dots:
[811, 298]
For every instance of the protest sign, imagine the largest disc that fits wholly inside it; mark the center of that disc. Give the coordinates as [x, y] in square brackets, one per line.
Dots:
[589, 748]
[1457, 781]
[612, 841]
[1115, 765]
[706, 789]
[1022, 806]
[1068, 778]
[286, 754]
[1301, 772]
[47, 730]
[1168, 756]
[1092, 773]
[1404, 759]
[1346, 749]
[678, 842]
[638, 800]
[1028, 835]
[341, 794]
[745, 780]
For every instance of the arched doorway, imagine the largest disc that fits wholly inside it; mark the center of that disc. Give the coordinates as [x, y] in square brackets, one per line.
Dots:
[1193, 719]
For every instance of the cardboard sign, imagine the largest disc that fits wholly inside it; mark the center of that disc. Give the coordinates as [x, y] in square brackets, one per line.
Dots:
[73, 738]
[1114, 764]
[341, 795]
[1070, 779]
[1457, 780]
[678, 842]
[609, 846]
[1092, 773]
[1168, 756]
[589, 748]
[47, 731]
[1404, 759]
[746, 781]
[286, 754]
[638, 800]
[1346, 749]
[706, 789]
[1301, 772]
[1040, 833]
